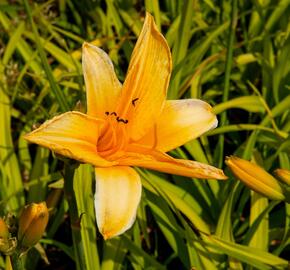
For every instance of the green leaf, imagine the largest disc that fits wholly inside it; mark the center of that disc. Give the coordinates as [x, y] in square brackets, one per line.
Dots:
[54, 87]
[253, 256]
[83, 182]
[248, 103]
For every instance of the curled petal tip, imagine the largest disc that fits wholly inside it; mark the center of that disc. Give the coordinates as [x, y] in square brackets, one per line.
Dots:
[85, 45]
[148, 15]
[222, 176]
[107, 235]
[215, 173]
[29, 137]
[26, 136]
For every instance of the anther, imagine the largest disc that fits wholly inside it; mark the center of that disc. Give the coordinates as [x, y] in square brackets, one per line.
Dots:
[125, 121]
[134, 101]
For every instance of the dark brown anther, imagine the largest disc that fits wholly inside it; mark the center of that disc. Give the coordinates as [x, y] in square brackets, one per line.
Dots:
[125, 121]
[107, 113]
[134, 101]
[113, 113]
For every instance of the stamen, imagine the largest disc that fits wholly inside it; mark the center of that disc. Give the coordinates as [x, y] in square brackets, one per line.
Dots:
[125, 121]
[155, 137]
[134, 101]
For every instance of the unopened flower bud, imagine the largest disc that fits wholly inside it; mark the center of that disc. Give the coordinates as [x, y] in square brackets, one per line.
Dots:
[4, 232]
[255, 178]
[32, 224]
[284, 175]
[4, 236]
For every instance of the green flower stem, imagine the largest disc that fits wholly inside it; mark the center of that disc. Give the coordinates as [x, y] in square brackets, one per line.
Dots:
[16, 261]
[74, 217]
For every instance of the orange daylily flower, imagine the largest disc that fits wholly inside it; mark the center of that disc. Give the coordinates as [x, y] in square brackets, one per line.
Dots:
[128, 125]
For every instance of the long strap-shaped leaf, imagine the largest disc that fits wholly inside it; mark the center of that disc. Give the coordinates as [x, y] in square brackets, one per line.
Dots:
[54, 87]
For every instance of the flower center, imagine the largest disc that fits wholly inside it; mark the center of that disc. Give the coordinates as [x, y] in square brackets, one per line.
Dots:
[113, 139]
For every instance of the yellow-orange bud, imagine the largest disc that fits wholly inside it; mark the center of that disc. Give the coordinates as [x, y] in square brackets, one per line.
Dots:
[32, 224]
[4, 235]
[255, 178]
[4, 232]
[284, 175]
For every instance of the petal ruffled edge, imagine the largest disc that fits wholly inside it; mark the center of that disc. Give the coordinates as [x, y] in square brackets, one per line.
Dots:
[118, 193]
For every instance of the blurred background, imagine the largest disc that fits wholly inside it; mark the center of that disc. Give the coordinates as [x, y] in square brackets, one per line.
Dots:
[232, 54]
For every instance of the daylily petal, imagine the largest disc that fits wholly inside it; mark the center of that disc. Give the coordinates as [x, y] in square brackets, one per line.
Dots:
[144, 90]
[152, 159]
[102, 85]
[180, 122]
[72, 135]
[118, 193]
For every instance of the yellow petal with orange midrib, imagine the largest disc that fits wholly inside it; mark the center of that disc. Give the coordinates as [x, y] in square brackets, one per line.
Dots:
[73, 135]
[102, 85]
[145, 87]
[138, 155]
[180, 122]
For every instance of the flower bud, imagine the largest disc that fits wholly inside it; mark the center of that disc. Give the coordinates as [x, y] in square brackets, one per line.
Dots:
[4, 232]
[32, 224]
[284, 175]
[4, 236]
[255, 178]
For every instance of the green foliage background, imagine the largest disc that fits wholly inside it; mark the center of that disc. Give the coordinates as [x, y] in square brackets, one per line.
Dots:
[233, 54]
